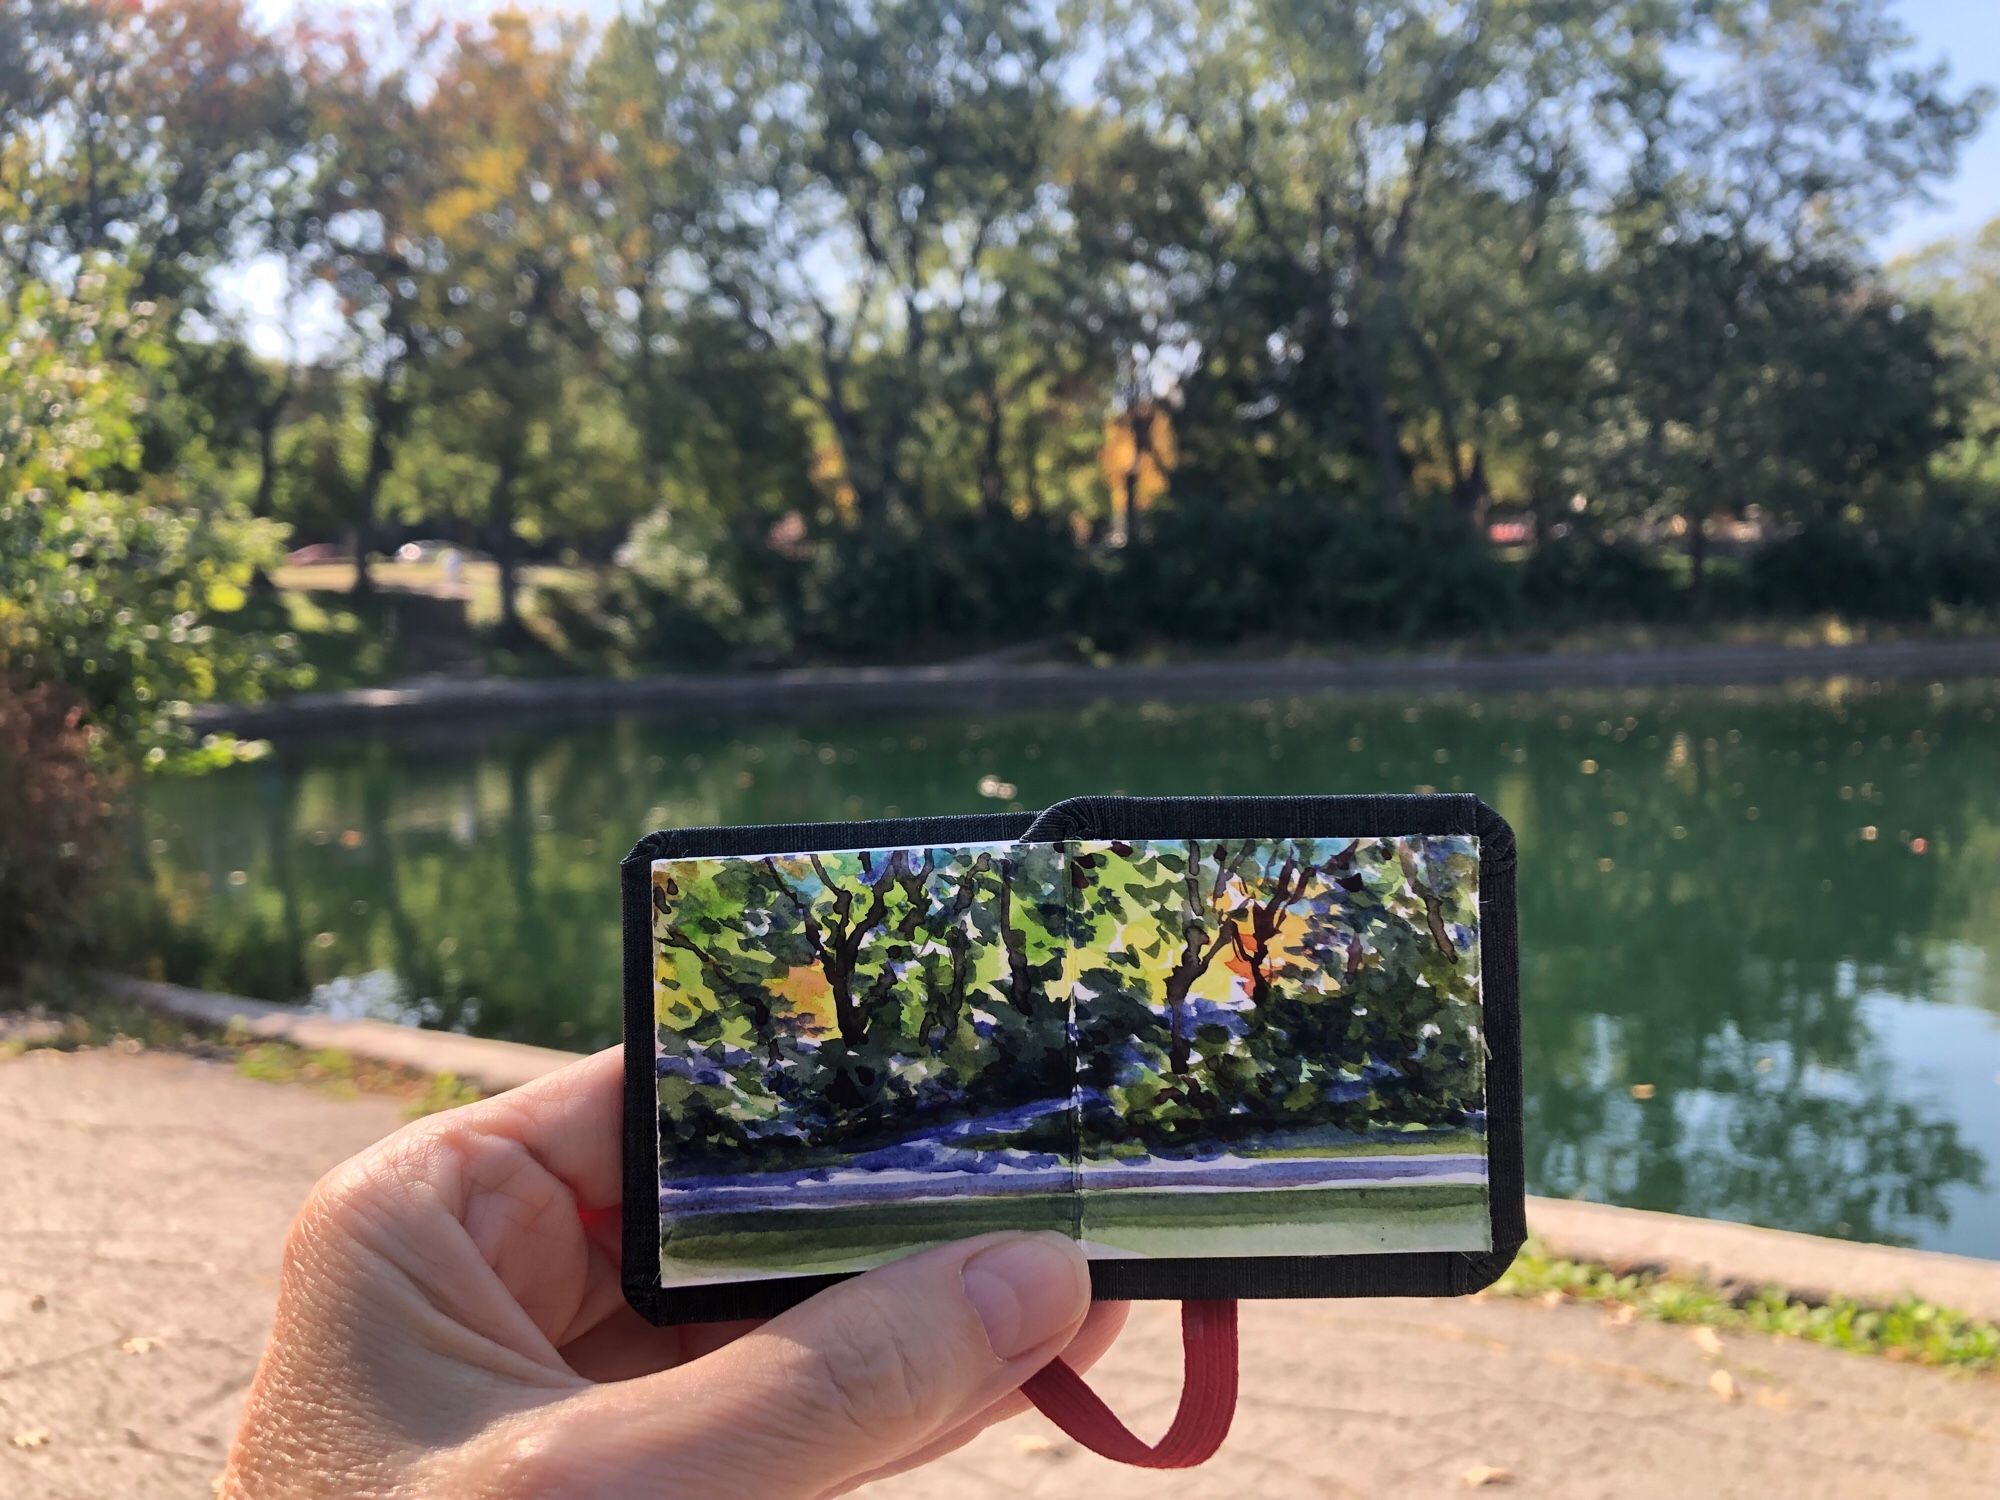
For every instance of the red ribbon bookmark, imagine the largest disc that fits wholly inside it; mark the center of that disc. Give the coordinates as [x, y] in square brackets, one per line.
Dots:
[1208, 1398]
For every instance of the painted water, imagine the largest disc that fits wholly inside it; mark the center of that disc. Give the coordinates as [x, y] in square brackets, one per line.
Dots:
[1760, 927]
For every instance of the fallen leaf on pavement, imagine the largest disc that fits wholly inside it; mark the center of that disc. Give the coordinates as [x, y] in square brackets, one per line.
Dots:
[1480, 1475]
[1036, 1444]
[34, 1437]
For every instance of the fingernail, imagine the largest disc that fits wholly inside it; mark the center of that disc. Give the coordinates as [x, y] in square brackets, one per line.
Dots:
[1027, 1290]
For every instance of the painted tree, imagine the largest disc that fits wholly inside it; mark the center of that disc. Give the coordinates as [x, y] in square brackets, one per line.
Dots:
[1238, 987]
[869, 992]
[1373, 1013]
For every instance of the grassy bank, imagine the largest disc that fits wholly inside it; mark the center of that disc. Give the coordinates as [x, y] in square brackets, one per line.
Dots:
[1911, 1329]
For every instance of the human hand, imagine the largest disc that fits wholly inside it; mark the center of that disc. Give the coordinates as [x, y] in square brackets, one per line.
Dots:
[450, 1322]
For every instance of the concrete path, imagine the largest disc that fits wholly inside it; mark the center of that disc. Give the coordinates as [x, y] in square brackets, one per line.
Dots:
[146, 1198]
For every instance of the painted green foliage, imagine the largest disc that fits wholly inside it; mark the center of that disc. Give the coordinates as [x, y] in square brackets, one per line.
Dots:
[817, 1000]
[1225, 989]
[1157, 996]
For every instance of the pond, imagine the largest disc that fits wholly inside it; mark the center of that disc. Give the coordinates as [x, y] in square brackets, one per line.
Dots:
[1760, 927]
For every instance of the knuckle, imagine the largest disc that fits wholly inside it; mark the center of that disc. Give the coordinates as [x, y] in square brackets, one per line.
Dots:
[328, 1213]
[347, 1204]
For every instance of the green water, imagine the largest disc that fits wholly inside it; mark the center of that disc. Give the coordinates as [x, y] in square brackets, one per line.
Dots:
[1723, 898]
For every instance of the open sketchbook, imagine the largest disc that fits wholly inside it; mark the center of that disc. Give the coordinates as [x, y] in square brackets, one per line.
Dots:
[1268, 1046]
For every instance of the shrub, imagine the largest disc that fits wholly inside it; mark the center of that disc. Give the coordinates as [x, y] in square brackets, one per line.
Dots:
[1946, 555]
[965, 579]
[1321, 574]
[690, 599]
[53, 817]
[1583, 577]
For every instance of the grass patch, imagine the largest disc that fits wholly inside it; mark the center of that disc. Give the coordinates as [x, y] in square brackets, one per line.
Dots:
[343, 1074]
[73, 1015]
[1910, 1329]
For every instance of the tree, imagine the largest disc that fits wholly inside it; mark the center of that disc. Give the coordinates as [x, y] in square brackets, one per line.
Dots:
[1958, 283]
[1325, 145]
[111, 582]
[1234, 988]
[368, 236]
[917, 159]
[163, 132]
[1729, 379]
[516, 172]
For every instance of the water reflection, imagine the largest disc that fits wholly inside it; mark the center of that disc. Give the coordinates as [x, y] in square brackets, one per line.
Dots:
[1779, 910]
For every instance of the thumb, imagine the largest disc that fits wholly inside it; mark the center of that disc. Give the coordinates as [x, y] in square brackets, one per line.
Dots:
[845, 1384]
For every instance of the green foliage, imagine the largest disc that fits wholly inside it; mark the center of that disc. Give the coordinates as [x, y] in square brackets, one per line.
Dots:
[827, 999]
[112, 582]
[686, 607]
[966, 577]
[1327, 573]
[1354, 962]
[1583, 576]
[1958, 283]
[1946, 555]
[813, 1003]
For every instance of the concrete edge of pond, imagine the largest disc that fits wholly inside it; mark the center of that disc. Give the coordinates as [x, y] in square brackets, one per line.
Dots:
[1726, 1255]
[988, 684]
[487, 1064]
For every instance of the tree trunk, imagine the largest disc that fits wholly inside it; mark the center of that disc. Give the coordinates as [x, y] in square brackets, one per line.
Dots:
[1194, 962]
[1140, 431]
[501, 530]
[1381, 433]
[384, 416]
[1697, 551]
[267, 472]
[361, 542]
[1370, 403]
[992, 478]
[1020, 983]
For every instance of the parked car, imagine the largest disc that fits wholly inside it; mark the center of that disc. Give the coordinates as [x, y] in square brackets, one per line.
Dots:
[317, 552]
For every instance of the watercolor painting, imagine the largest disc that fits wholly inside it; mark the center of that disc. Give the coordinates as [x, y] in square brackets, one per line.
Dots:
[1278, 1046]
[1163, 1048]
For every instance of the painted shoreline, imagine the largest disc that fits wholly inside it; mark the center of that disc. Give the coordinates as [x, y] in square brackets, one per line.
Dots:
[988, 684]
[1724, 1254]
